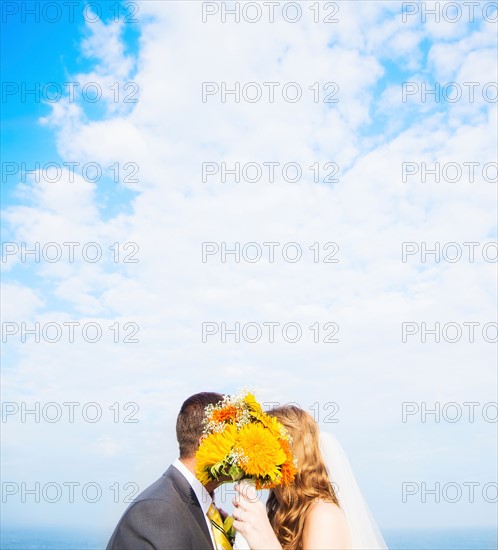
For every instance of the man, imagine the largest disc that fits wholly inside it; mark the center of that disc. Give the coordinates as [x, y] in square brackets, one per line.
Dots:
[176, 512]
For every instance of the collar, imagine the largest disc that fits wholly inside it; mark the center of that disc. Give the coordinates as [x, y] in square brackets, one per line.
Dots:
[202, 495]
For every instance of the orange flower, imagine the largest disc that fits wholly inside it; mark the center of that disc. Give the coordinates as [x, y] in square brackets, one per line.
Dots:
[288, 472]
[288, 469]
[286, 447]
[226, 414]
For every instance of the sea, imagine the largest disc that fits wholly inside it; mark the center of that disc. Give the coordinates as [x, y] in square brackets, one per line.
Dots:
[402, 539]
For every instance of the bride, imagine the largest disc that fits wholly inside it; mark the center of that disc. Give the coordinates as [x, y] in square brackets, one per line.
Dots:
[322, 509]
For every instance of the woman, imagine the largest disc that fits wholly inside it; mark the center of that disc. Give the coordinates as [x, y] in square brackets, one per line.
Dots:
[309, 514]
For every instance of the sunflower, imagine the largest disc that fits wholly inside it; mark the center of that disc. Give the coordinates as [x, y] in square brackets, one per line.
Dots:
[253, 405]
[272, 424]
[213, 451]
[262, 452]
[257, 412]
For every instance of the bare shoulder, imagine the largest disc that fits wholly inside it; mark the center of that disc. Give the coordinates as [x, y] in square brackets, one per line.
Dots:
[322, 511]
[325, 527]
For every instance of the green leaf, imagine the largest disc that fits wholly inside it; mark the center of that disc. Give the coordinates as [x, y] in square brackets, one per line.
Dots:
[235, 472]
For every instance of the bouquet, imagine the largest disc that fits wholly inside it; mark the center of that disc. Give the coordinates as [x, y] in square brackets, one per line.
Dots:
[241, 441]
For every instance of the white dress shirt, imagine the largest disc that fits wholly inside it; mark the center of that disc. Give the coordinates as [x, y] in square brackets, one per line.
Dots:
[202, 495]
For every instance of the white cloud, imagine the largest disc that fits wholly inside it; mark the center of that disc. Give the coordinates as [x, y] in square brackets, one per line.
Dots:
[369, 212]
[19, 303]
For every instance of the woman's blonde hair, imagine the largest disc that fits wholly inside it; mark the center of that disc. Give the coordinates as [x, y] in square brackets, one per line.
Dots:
[287, 505]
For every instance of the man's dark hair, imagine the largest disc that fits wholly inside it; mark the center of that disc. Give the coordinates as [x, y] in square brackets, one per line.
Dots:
[189, 424]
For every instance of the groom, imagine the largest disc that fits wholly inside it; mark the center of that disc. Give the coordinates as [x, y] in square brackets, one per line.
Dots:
[175, 512]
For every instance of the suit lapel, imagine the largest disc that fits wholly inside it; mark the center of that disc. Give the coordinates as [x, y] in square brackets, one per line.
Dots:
[199, 514]
[189, 497]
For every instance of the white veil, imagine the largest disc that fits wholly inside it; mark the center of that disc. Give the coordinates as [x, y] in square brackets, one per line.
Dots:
[363, 530]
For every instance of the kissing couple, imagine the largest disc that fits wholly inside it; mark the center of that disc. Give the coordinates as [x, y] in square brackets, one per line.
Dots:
[322, 508]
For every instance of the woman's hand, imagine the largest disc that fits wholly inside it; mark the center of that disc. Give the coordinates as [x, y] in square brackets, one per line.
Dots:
[251, 520]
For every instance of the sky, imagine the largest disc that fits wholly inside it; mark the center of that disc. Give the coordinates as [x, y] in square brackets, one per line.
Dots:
[223, 201]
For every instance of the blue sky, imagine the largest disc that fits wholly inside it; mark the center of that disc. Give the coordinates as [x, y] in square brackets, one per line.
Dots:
[46, 52]
[167, 212]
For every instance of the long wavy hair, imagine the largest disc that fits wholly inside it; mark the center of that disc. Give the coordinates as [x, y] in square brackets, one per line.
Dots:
[287, 506]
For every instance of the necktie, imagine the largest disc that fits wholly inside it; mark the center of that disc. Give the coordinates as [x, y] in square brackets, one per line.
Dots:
[219, 535]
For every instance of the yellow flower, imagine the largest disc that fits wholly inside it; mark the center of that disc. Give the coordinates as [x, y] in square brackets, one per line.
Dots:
[257, 412]
[251, 402]
[262, 451]
[272, 424]
[213, 450]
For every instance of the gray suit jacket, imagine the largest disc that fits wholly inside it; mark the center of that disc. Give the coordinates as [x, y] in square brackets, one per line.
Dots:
[166, 516]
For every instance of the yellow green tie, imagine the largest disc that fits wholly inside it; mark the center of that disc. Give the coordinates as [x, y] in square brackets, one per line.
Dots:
[219, 534]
